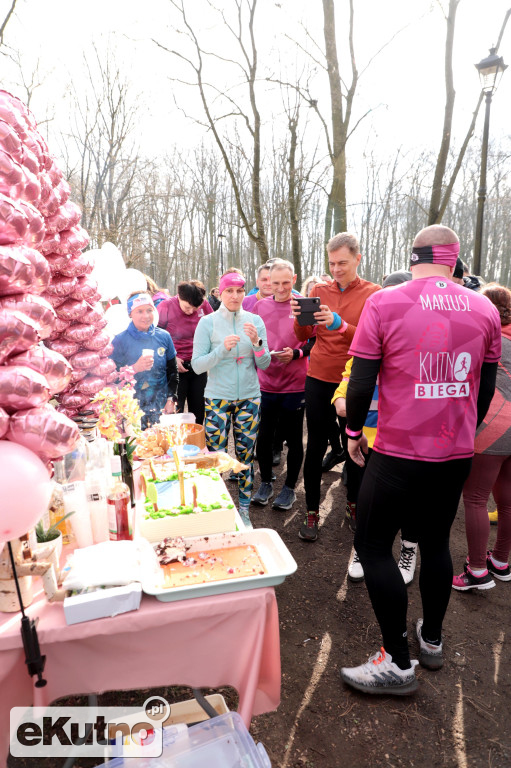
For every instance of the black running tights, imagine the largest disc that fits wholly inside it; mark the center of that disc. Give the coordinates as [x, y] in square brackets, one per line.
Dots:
[425, 495]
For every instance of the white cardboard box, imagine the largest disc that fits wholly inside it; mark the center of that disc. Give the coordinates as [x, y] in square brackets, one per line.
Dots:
[102, 603]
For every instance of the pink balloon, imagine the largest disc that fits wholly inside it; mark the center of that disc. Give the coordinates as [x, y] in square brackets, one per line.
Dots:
[44, 431]
[55, 301]
[30, 161]
[69, 412]
[87, 289]
[79, 332]
[98, 342]
[74, 399]
[85, 360]
[59, 220]
[112, 377]
[107, 350]
[16, 270]
[17, 333]
[13, 222]
[63, 347]
[49, 204]
[72, 309]
[77, 376]
[73, 239]
[50, 244]
[55, 173]
[61, 325]
[90, 385]
[35, 307]
[106, 367]
[4, 422]
[57, 263]
[21, 387]
[26, 490]
[77, 265]
[95, 316]
[10, 141]
[64, 191]
[42, 274]
[61, 285]
[52, 365]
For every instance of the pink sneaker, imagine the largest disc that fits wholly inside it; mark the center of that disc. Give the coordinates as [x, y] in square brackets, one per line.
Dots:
[467, 580]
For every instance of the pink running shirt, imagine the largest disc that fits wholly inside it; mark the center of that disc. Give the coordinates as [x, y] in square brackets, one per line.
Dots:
[433, 335]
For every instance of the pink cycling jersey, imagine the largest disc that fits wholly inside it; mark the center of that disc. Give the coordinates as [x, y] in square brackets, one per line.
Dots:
[432, 335]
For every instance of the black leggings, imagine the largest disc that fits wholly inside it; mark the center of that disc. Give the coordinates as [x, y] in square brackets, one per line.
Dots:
[191, 387]
[425, 495]
[290, 427]
[321, 419]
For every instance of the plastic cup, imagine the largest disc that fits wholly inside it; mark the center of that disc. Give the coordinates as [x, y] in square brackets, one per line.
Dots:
[148, 352]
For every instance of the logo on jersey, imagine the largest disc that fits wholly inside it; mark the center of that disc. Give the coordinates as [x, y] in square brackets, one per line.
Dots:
[442, 375]
[161, 351]
[441, 284]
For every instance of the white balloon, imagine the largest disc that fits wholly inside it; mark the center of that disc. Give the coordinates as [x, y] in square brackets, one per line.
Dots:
[130, 281]
[117, 319]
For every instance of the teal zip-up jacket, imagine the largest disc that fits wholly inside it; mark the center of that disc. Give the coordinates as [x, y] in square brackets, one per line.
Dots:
[232, 374]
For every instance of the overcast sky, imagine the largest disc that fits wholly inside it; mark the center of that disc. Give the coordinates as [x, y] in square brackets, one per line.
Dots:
[403, 86]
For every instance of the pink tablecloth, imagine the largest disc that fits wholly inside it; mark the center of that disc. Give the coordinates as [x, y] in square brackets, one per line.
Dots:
[228, 639]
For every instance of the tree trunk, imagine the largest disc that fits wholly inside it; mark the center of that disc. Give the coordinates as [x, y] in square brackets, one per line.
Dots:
[293, 215]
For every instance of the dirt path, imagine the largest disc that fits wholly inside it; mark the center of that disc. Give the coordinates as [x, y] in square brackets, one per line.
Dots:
[460, 716]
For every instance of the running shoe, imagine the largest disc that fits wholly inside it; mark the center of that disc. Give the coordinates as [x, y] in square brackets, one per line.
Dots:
[494, 517]
[380, 675]
[430, 656]
[245, 516]
[309, 528]
[355, 570]
[263, 494]
[502, 574]
[331, 460]
[467, 580]
[285, 499]
[351, 515]
[407, 560]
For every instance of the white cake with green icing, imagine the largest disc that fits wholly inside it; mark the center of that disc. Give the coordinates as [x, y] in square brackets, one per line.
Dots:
[163, 515]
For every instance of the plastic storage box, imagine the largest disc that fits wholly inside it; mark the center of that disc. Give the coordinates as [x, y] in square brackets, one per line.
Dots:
[222, 742]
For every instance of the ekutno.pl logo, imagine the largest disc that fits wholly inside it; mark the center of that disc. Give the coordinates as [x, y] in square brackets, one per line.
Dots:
[95, 731]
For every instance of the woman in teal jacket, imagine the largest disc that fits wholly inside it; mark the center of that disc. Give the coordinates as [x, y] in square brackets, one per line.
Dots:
[230, 345]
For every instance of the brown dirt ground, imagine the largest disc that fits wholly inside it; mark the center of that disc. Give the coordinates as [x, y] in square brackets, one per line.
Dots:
[459, 717]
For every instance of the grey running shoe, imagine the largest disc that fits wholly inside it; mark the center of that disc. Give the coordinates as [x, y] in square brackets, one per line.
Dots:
[309, 528]
[430, 656]
[380, 675]
[263, 494]
[285, 499]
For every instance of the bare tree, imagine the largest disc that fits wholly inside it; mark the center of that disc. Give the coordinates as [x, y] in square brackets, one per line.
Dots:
[4, 23]
[242, 31]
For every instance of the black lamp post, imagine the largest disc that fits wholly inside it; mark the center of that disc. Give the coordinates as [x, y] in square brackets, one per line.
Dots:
[490, 70]
[220, 239]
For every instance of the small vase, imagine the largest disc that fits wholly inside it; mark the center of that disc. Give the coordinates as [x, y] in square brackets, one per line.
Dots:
[127, 471]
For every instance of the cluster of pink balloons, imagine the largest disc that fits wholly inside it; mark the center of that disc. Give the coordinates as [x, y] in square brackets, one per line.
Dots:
[45, 293]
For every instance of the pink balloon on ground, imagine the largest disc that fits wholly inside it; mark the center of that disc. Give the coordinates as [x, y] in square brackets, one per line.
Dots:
[50, 244]
[57, 262]
[77, 264]
[42, 273]
[72, 309]
[26, 489]
[62, 285]
[74, 399]
[85, 360]
[106, 367]
[90, 385]
[22, 387]
[17, 333]
[77, 375]
[10, 141]
[79, 332]
[98, 342]
[43, 430]
[52, 365]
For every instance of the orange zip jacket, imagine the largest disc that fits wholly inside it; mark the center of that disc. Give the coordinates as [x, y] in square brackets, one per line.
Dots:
[329, 354]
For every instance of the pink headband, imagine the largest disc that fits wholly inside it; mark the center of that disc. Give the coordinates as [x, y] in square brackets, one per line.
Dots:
[436, 254]
[230, 279]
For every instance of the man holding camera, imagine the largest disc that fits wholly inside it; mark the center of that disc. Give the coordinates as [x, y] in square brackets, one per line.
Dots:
[341, 304]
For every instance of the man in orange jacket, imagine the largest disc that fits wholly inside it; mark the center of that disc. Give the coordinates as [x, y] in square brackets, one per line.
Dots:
[341, 305]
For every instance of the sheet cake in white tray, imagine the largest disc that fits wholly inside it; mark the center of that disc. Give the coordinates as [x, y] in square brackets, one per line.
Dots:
[272, 551]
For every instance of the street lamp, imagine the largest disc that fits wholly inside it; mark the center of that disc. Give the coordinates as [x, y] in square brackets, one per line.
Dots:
[490, 70]
[220, 239]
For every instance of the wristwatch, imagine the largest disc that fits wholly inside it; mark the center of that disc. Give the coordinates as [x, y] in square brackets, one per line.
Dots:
[259, 343]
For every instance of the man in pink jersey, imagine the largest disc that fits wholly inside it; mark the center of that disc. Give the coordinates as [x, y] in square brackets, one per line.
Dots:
[436, 346]
[282, 388]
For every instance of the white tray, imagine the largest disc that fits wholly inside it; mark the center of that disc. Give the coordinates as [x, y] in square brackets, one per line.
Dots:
[273, 552]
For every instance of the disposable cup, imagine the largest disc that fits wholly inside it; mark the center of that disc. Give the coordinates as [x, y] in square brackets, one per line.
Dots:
[148, 352]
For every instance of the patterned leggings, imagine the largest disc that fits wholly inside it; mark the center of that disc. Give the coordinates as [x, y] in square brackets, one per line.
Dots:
[245, 422]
